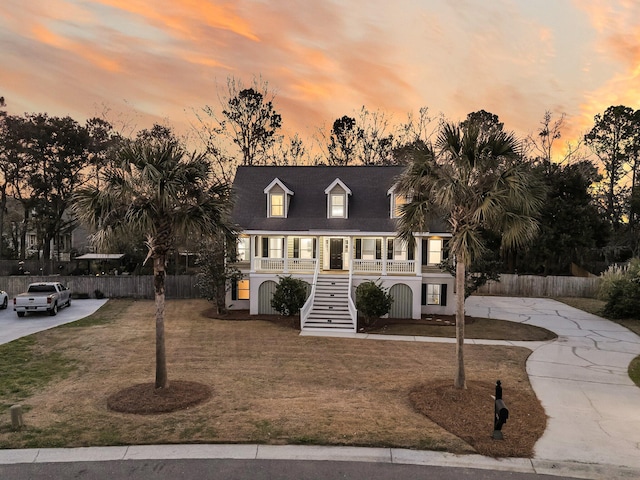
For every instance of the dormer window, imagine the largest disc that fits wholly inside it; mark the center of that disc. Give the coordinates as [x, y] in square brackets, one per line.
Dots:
[337, 199]
[277, 199]
[337, 202]
[276, 204]
[397, 202]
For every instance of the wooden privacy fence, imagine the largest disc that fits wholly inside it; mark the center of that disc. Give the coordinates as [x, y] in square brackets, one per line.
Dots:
[136, 286]
[537, 286]
[185, 286]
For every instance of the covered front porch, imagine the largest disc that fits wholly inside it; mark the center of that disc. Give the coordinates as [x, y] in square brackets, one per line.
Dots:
[381, 255]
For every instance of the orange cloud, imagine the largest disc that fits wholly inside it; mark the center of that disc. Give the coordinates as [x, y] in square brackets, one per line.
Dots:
[179, 15]
[46, 36]
[88, 52]
[618, 37]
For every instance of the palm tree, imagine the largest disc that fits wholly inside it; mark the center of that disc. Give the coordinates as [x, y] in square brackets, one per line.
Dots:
[473, 179]
[156, 189]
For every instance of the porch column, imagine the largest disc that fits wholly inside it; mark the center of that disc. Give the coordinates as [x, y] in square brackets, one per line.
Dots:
[252, 249]
[385, 254]
[285, 254]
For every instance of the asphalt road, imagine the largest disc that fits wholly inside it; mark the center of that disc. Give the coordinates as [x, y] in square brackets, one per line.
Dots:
[224, 469]
[13, 327]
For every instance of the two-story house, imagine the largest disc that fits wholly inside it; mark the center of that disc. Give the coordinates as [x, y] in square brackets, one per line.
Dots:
[333, 227]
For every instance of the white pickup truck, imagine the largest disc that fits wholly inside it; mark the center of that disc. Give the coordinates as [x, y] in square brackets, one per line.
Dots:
[42, 297]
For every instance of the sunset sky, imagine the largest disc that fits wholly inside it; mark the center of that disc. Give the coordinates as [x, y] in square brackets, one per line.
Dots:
[158, 60]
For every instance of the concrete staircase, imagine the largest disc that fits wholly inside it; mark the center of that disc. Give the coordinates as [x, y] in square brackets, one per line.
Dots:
[330, 310]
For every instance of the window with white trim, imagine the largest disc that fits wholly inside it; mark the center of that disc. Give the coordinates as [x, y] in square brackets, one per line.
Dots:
[399, 249]
[398, 202]
[306, 248]
[434, 252]
[243, 249]
[433, 294]
[276, 204]
[368, 249]
[337, 205]
[276, 247]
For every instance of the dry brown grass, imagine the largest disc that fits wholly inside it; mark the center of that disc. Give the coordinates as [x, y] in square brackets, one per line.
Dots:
[269, 385]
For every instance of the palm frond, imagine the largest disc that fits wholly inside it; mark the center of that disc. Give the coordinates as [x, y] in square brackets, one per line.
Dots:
[159, 190]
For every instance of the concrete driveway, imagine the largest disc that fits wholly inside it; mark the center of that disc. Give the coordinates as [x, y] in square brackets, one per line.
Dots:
[581, 380]
[13, 327]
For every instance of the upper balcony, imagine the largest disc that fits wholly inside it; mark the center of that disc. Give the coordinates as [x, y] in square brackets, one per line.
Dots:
[360, 267]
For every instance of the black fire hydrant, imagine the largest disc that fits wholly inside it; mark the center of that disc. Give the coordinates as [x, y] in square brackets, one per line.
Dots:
[501, 413]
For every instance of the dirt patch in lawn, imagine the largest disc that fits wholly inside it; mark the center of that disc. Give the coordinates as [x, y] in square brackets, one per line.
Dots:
[467, 414]
[269, 385]
[145, 399]
[476, 328]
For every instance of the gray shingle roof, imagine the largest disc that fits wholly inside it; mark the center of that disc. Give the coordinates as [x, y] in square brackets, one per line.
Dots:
[368, 205]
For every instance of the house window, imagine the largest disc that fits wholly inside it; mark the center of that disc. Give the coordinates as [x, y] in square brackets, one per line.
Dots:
[398, 202]
[303, 247]
[243, 249]
[270, 247]
[277, 198]
[240, 290]
[276, 204]
[275, 248]
[434, 294]
[368, 248]
[434, 252]
[306, 248]
[337, 208]
[399, 249]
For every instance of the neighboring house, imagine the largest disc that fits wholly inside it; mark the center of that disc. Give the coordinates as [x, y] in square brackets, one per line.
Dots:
[333, 227]
[74, 240]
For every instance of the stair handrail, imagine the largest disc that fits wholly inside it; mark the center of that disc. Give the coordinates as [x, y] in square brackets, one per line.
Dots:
[308, 305]
[353, 312]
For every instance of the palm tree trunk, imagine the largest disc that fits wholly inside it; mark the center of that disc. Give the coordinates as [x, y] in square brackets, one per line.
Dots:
[459, 381]
[162, 380]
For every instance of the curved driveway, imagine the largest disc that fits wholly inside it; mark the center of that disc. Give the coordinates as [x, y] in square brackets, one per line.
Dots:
[13, 327]
[581, 379]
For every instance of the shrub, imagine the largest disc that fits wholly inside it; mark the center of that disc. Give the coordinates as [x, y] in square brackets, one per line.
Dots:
[372, 301]
[609, 278]
[290, 295]
[620, 288]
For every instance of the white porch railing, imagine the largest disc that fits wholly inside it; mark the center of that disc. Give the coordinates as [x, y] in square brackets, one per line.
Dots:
[285, 265]
[384, 267]
[308, 305]
[353, 311]
[300, 264]
[401, 266]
